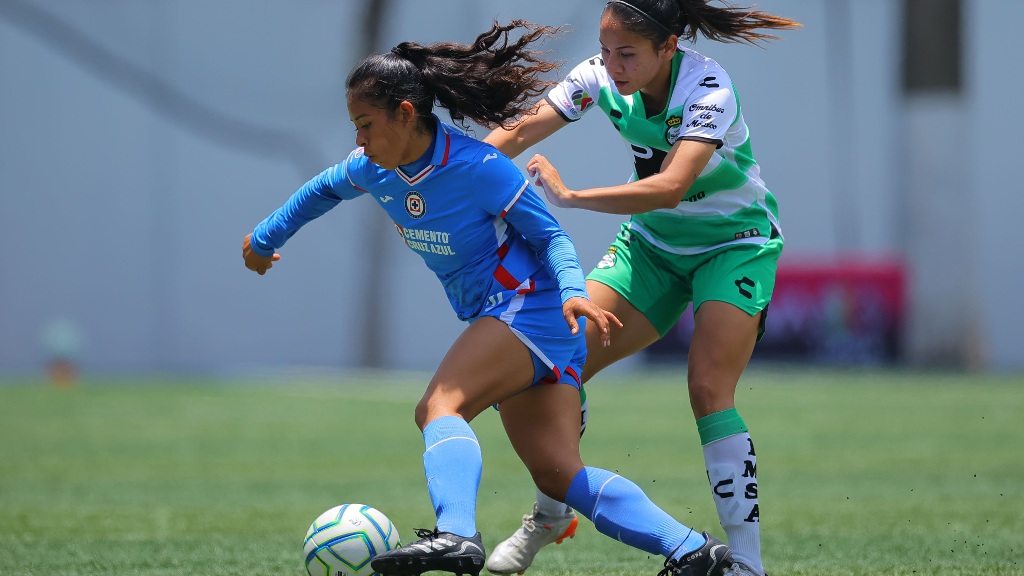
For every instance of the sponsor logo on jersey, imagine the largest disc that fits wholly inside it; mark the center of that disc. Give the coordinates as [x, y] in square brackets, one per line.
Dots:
[429, 241]
[490, 156]
[581, 100]
[707, 108]
[415, 205]
[706, 117]
[357, 153]
[695, 197]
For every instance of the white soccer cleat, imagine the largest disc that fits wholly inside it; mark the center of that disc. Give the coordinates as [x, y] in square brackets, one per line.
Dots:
[515, 555]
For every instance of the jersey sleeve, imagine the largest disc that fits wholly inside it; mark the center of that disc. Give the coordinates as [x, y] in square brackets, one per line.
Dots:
[510, 197]
[707, 113]
[314, 199]
[579, 91]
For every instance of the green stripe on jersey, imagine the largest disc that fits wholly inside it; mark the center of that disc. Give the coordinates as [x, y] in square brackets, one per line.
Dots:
[727, 203]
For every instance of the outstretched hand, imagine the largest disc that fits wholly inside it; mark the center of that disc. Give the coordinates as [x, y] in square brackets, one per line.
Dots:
[257, 262]
[549, 181]
[578, 306]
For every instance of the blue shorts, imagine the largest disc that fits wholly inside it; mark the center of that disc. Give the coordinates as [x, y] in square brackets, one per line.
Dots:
[534, 314]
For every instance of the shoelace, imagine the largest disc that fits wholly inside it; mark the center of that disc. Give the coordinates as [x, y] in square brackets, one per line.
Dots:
[530, 522]
[426, 532]
[670, 564]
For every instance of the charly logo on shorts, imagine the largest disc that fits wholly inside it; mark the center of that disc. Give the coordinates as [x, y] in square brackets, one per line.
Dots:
[608, 260]
[415, 205]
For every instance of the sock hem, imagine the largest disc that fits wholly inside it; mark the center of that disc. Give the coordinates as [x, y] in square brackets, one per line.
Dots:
[720, 425]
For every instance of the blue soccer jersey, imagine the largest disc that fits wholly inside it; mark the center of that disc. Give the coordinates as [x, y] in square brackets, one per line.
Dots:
[469, 213]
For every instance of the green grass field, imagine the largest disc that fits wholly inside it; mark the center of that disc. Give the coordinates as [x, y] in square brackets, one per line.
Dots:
[860, 473]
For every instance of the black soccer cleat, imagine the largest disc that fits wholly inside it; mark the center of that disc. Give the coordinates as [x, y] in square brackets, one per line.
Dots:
[714, 558]
[434, 551]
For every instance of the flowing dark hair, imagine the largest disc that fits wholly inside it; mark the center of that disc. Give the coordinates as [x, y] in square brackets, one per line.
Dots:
[492, 81]
[656, 20]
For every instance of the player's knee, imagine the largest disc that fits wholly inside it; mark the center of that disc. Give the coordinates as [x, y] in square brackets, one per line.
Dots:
[708, 395]
[420, 414]
[554, 481]
[434, 406]
[701, 389]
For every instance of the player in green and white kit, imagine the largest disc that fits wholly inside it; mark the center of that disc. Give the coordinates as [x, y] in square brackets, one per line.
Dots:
[704, 229]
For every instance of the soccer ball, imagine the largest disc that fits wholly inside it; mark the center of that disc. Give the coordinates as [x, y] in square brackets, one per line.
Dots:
[343, 540]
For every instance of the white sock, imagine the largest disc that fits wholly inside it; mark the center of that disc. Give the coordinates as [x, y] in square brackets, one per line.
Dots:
[732, 471]
[548, 506]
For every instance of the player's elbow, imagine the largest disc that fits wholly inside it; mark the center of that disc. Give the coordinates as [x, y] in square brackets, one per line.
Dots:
[669, 198]
[666, 190]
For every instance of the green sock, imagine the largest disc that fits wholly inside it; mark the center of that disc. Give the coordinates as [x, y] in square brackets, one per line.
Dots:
[720, 425]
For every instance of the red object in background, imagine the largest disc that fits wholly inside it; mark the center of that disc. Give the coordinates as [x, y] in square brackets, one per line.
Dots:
[844, 312]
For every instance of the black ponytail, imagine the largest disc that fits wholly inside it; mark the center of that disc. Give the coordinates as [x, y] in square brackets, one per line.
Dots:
[656, 20]
[492, 81]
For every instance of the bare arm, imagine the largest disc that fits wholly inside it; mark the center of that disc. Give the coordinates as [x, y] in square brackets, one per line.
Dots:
[665, 189]
[541, 123]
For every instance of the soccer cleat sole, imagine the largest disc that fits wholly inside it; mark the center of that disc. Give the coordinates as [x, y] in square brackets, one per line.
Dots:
[470, 565]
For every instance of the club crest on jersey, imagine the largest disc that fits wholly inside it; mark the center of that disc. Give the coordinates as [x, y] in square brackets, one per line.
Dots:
[674, 124]
[415, 205]
[581, 100]
[608, 260]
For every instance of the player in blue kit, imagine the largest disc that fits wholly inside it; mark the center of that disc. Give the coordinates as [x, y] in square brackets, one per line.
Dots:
[508, 269]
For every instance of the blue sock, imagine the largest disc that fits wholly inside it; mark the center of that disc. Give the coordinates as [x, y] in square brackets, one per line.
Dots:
[619, 509]
[452, 464]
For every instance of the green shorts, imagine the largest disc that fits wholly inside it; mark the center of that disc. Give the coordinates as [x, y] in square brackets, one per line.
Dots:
[660, 284]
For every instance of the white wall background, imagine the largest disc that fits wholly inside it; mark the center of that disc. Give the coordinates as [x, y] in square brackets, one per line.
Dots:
[139, 142]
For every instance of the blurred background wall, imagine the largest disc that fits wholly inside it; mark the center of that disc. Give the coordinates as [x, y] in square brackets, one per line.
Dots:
[140, 141]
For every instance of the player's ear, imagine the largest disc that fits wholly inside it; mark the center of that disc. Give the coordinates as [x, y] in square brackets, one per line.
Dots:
[668, 48]
[406, 112]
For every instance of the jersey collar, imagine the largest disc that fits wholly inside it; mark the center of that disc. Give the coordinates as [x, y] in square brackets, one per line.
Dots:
[442, 146]
[443, 142]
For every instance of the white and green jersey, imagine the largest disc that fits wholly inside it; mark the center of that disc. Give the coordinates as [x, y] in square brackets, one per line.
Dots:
[728, 203]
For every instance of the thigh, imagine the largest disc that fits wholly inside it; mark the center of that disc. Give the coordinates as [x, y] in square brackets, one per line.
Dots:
[636, 333]
[723, 340]
[731, 292]
[543, 425]
[485, 365]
